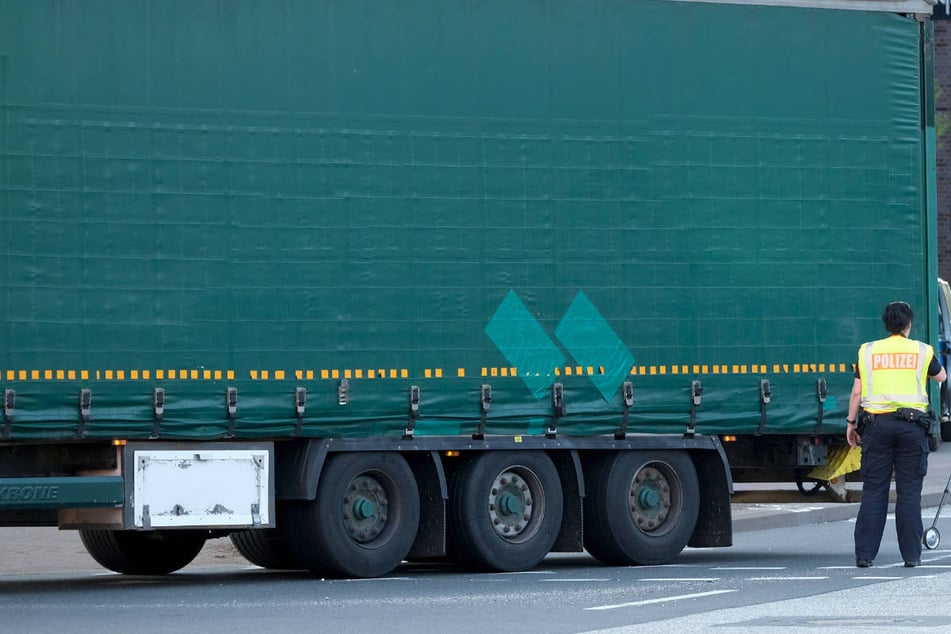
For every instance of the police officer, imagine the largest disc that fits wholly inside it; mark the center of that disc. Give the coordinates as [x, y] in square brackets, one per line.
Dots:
[890, 388]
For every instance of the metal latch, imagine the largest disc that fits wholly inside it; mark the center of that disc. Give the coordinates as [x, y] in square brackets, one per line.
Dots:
[85, 406]
[158, 410]
[300, 401]
[343, 392]
[764, 398]
[9, 405]
[627, 397]
[558, 408]
[413, 413]
[231, 402]
[696, 392]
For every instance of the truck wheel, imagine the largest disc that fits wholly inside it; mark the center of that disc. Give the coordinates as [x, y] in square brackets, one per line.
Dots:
[505, 511]
[363, 521]
[267, 548]
[143, 553]
[641, 507]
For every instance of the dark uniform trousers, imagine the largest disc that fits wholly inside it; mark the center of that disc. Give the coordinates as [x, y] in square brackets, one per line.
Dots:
[891, 443]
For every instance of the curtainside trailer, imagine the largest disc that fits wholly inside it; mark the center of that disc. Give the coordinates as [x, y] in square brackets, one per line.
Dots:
[363, 282]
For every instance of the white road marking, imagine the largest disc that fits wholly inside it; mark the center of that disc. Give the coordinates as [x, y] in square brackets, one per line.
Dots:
[749, 568]
[670, 579]
[680, 597]
[785, 578]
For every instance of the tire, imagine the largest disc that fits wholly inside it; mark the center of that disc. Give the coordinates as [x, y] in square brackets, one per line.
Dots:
[143, 553]
[363, 521]
[505, 511]
[266, 548]
[641, 507]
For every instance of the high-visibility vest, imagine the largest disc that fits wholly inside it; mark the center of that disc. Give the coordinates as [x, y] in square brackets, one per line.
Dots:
[894, 373]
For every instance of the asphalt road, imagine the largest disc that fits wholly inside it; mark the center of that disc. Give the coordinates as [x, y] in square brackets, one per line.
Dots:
[771, 578]
[791, 566]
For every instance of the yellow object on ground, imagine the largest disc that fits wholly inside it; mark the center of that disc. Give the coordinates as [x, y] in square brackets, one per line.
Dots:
[841, 460]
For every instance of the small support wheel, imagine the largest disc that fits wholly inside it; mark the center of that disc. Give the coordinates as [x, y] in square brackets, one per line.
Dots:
[931, 538]
[808, 488]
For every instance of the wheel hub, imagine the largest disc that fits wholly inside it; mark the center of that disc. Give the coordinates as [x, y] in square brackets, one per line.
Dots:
[365, 507]
[510, 504]
[650, 499]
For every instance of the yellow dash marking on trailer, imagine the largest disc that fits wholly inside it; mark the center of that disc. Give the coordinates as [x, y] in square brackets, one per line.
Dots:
[35, 375]
[84, 375]
[404, 373]
[299, 375]
[254, 375]
[71, 375]
[460, 372]
[120, 375]
[48, 374]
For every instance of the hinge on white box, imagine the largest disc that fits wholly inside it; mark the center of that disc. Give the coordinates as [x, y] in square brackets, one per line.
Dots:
[146, 518]
[256, 514]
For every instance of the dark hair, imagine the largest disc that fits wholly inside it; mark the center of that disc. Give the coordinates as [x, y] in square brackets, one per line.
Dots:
[897, 316]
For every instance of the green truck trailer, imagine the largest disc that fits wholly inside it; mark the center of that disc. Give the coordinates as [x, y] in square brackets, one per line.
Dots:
[358, 282]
